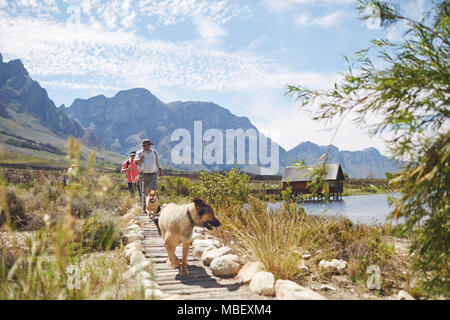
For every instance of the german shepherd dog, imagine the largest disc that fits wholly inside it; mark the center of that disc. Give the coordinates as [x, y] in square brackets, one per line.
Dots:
[177, 222]
[151, 203]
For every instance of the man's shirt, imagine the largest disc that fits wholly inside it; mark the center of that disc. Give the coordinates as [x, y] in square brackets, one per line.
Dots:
[151, 160]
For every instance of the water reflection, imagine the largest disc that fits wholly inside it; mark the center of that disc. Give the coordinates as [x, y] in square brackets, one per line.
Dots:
[368, 209]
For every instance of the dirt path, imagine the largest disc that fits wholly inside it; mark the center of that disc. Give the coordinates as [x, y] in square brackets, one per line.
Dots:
[199, 284]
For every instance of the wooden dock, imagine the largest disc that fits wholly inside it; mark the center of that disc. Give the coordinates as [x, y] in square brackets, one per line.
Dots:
[200, 284]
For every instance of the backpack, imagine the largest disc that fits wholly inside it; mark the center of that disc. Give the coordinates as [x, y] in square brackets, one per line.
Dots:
[128, 164]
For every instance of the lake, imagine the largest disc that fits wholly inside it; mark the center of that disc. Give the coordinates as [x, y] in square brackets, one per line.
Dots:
[368, 209]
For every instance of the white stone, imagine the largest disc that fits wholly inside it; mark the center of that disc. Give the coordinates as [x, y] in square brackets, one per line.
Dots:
[263, 283]
[325, 287]
[339, 265]
[135, 245]
[333, 265]
[155, 294]
[197, 236]
[306, 256]
[248, 271]
[129, 252]
[131, 237]
[200, 245]
[143, 266]
[289, 290]
[210, 255]
[134, 228]
[136, 258]
[303, 268]
[403, 295]
[131, 213]
[149, 284]
[143, 275]
[225, 266]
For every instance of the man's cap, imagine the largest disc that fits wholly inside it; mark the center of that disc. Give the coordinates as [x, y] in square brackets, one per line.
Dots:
[133, 153]
[147, 141]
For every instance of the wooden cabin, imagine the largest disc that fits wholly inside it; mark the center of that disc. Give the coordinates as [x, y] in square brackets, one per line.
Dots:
[298, 179]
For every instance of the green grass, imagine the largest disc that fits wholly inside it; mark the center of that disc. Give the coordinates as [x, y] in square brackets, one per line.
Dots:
[20, 158]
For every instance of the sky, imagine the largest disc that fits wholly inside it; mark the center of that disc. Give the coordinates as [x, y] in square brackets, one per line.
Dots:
[238, 54]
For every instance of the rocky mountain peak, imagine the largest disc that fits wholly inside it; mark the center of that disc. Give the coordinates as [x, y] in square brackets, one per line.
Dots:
[16, 67]
[21, 94]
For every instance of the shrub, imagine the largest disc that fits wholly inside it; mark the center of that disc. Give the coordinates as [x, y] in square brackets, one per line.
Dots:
[6, 261]
[35, 222]
[268, 237]
[176, 186]
[222, 189]
[81, 207]
[100, 232]
[15, 209]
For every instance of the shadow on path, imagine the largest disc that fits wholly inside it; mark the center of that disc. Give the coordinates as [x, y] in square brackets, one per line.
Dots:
[199, 277]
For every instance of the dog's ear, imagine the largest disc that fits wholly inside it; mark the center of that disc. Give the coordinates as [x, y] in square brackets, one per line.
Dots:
[198, 202]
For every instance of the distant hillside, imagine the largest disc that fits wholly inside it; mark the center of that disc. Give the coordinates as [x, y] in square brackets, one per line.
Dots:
[368, 163]
[30, 123]
[123, 121]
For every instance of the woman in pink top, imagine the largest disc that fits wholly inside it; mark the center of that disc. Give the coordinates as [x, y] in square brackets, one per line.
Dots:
[132, 171]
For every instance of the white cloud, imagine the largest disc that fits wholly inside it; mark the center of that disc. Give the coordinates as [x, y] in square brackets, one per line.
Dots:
[328, 20]
[171, 12]
[114, 14]
[210, 32]
[89, 85]
[283, 5]
[133, 61]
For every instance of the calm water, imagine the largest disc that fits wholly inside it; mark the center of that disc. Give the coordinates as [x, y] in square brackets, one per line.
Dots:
[368, 209]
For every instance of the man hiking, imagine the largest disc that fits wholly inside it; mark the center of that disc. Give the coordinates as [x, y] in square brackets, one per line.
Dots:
[148, 159]
[131, 169]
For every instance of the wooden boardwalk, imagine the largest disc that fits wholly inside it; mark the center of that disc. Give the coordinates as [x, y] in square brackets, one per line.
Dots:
[200, 283]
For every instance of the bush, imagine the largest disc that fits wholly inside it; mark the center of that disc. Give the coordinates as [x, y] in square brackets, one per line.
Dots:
[432, 261]
[269, 237]
[81, 207]
[100, 232]
[6, 261]
[15, 209]
[222, 189]
[176, 186]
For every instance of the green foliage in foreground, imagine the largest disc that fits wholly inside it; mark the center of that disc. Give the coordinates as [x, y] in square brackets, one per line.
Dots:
[411, 92]
[66, 256]
[222, 189]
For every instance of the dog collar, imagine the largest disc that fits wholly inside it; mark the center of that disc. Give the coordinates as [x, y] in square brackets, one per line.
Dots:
[190, 217]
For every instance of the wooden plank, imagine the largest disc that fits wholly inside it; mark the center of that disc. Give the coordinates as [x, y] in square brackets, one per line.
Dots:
[177, 290]
[198, 284]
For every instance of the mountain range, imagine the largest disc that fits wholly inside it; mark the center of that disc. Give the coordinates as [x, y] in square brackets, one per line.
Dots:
[31, 124]
[121, 122]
